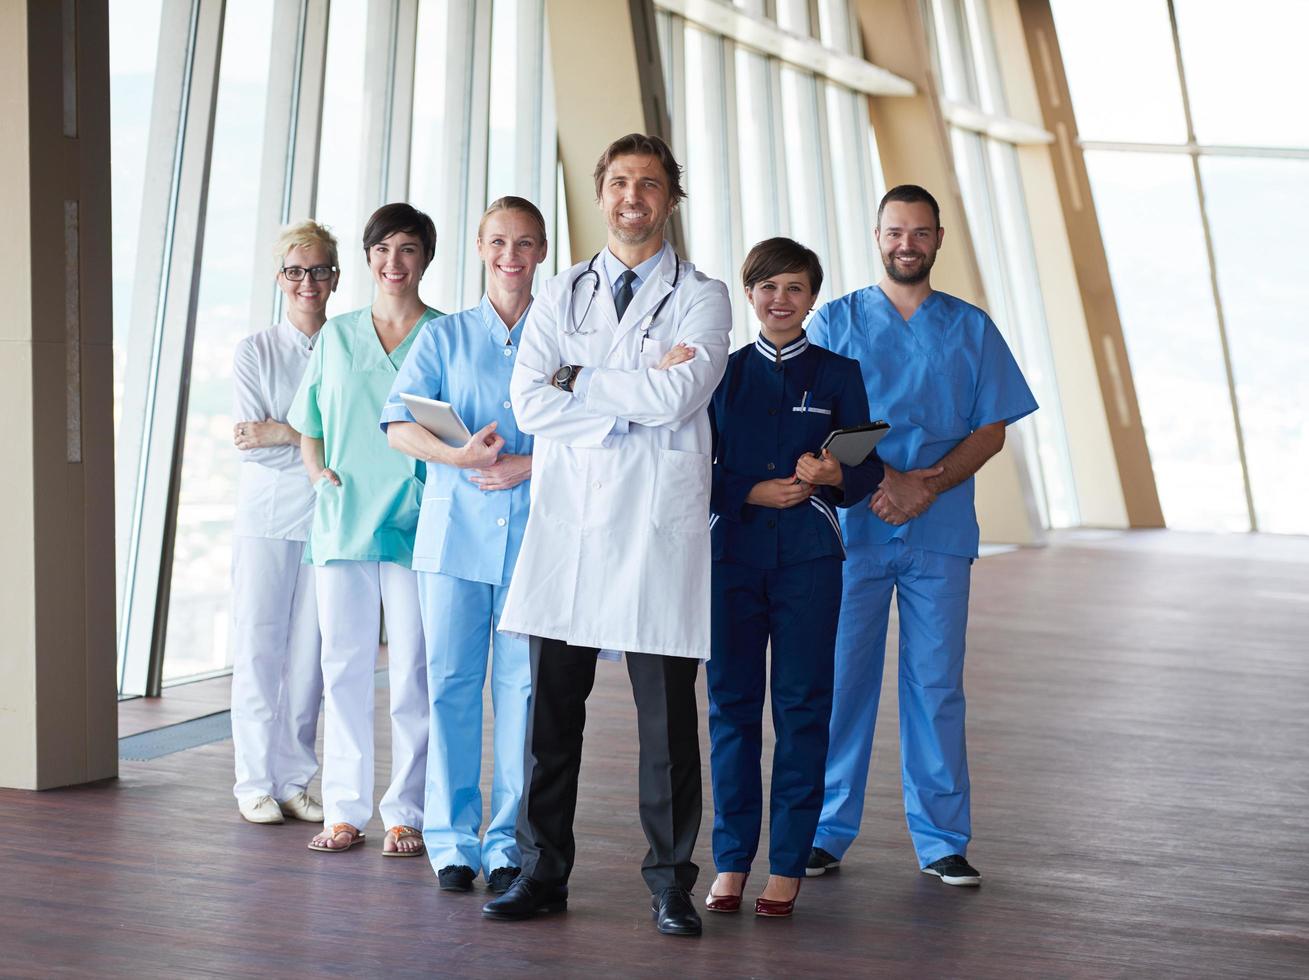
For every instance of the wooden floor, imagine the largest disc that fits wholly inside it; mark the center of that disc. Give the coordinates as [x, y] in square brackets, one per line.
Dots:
[1139, 741]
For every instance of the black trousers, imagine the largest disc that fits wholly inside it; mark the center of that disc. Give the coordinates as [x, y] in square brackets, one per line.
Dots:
[667, 723]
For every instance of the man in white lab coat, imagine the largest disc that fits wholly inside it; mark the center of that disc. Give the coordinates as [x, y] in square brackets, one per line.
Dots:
[619, 357]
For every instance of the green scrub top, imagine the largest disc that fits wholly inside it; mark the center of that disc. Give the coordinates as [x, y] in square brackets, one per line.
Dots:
[373, 514]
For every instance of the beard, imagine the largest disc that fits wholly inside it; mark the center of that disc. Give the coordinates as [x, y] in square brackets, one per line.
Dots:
[909, 278]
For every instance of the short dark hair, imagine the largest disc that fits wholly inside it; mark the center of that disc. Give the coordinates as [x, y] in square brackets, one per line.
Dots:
[774, 256]
[392, 218]
[642, 145]
[909, 194]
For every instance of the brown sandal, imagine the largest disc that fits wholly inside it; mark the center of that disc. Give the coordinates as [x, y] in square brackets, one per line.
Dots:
[356, 837]
[402, 832]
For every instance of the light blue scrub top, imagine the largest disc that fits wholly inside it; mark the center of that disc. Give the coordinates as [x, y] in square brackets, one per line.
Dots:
[464, 359]
[936, 378]
[371, 515]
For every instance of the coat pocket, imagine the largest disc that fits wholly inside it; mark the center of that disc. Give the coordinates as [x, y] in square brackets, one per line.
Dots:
[681, 492]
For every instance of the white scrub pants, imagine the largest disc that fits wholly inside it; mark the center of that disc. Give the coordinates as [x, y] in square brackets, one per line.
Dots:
[459, 619]
[276, 679]
[351, 595]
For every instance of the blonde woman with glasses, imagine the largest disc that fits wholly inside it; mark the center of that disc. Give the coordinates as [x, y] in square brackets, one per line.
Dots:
[276, 677]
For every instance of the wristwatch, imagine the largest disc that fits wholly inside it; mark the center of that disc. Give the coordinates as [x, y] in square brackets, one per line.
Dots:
[563, 378]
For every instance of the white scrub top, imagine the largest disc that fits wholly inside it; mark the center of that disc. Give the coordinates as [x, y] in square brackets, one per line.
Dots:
[273, 497]
[936, 378]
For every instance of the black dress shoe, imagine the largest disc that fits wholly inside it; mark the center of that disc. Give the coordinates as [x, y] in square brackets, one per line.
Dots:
[525, 898]
[500, 880]
[674, 915]
[456, 878]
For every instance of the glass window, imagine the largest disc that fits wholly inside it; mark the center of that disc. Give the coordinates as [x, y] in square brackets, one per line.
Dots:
[1150, 223]
[793, 16]
[340, 157]
[853, 185]
[133, 54]
[510, 123]
[834, 28]
[196, 639]
[708, 220]
[1259, 217]
[805, 178]
[1029, 334]
[1143, 104]
[1265, 38]
[953, 50]
[758, 159]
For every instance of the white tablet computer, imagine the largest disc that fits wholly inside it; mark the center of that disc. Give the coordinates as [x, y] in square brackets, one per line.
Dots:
[438, 418]
[854, 445]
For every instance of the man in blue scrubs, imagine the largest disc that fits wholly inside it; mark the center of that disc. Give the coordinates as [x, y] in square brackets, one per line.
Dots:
[938, 370]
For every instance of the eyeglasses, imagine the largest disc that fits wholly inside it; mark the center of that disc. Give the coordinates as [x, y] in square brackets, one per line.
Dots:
[318, 273]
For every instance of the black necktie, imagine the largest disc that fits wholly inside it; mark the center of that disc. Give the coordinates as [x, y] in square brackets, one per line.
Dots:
[623, 298]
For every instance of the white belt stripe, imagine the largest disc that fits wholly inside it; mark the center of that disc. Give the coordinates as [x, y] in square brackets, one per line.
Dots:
[826, 511]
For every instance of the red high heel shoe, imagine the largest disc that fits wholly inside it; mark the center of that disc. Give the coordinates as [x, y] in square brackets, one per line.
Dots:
[771, 909]
[725, 903]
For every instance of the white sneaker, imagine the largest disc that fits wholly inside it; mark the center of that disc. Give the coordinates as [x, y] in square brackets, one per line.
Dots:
[304, 807]
[262, 809]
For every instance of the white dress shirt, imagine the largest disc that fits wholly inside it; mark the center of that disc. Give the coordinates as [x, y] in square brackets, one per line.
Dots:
[274, 498]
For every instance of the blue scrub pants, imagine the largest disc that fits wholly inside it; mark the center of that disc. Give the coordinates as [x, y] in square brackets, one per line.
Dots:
[796, 608]
[932, 600]
[459, 619]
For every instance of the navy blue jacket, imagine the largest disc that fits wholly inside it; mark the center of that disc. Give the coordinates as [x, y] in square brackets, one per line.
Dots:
[771, 408]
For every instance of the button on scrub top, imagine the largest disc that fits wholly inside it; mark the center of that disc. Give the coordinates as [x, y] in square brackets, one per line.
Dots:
[464, 359]
[373, 514]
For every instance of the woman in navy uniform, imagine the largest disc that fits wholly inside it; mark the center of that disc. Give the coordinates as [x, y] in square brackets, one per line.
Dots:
[777, 554]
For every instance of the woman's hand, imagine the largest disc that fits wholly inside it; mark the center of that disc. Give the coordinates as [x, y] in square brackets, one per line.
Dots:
[779, 494]
[823, 472]
[680, 354]
[506, 473]
[482, 448]
[258, 435]
[331, 476]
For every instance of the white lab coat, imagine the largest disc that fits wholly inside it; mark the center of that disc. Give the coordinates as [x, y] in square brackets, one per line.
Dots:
[616, 550]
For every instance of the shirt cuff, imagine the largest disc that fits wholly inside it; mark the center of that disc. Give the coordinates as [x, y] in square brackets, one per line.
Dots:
[395, 413]
[581, 387]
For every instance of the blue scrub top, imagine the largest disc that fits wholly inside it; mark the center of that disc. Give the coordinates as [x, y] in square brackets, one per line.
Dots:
[771, 408]
[936, 378]
[464, 359]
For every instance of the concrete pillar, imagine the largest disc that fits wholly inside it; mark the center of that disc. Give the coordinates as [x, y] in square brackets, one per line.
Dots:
[58, 696]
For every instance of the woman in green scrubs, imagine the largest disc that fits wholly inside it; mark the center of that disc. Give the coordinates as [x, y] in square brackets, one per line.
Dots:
[362, 541]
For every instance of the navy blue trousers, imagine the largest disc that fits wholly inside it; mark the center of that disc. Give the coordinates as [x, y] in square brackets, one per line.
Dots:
[796, 608]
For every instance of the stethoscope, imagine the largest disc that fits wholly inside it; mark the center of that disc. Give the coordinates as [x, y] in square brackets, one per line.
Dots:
[591, 272]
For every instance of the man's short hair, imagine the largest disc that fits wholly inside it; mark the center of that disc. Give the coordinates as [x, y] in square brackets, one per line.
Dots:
[909, 194]
[390, 219]
[775, 256]
[642, 145]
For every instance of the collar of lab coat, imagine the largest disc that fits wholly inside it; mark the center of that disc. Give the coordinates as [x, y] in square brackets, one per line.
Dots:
[291, 335]
[655, 288]
[496, 327]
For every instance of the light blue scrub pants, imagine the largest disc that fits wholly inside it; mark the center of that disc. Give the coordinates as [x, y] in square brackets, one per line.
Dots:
[459, 619]
[932, 600]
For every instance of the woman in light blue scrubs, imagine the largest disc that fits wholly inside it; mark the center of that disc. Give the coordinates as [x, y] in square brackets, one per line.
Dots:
[469, 532]
[362, 539]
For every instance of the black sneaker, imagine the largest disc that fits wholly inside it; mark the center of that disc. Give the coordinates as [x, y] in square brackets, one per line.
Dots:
[820, 862]
[954, 870]
[501, 879]
[456, 878]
